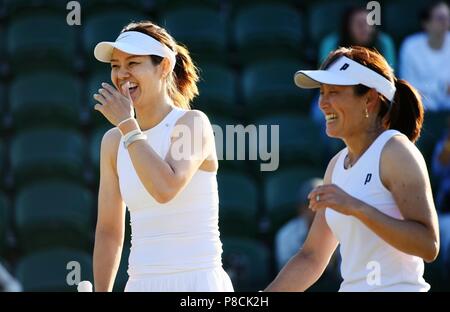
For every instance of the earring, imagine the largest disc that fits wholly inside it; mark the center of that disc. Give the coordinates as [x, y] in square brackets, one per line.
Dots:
[366, 114]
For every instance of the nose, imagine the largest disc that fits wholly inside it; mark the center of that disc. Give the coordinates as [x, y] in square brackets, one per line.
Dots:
[323, 102]
[123, 73]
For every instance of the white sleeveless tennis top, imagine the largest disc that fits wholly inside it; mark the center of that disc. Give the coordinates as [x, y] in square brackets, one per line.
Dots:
[181, 235]
[368, 262]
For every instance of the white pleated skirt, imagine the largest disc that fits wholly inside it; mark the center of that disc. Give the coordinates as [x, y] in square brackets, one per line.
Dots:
[212, 280]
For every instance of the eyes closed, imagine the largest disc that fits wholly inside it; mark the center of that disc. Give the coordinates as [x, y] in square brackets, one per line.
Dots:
[129, 64]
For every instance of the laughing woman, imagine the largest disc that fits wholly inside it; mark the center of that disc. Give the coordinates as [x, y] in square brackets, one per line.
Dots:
[376, 200]
[153, 164]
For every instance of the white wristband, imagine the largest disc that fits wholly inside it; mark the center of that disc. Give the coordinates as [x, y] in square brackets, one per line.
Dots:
[124, 121]
[130, 134]
[134, 138]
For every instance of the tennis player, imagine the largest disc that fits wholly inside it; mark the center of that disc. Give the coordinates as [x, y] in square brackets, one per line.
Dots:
[376, 200]
[172, 199]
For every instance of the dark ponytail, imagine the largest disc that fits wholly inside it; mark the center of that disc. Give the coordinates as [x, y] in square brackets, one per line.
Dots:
[406, 113]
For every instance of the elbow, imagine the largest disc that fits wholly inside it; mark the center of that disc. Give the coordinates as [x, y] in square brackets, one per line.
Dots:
[164, 195]
[167, 191]
[432, 252]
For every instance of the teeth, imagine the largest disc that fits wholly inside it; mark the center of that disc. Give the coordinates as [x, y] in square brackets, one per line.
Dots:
[131, 85]
[330, 117]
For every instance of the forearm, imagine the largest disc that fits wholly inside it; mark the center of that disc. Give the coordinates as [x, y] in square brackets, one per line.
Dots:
[107, 254]
[408, 236]
[298, 274]
[155, 173]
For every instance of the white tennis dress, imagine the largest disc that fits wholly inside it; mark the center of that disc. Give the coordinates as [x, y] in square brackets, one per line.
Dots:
[368, 262]
[174, 246]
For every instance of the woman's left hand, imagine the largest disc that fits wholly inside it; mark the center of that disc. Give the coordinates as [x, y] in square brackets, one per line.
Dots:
[332, 196]
[115, 106]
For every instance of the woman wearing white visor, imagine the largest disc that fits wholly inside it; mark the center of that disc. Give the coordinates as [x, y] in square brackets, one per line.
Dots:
[376, 200]
[162, 164]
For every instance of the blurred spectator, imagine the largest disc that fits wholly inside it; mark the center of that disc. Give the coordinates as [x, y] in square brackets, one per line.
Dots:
[356, 31]
[289, 239]
[425, 57]
[444, 231]
[441, 171]
[7, 282]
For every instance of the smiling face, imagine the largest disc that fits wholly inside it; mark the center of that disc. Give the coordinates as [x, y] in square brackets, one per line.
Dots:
[343, 110]
[144, 77]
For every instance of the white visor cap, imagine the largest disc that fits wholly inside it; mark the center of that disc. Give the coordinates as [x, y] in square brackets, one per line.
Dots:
[345, 72]
[136, 43]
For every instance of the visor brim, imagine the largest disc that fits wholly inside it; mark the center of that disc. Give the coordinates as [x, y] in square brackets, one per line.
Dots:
[103, 50]
[309, 79]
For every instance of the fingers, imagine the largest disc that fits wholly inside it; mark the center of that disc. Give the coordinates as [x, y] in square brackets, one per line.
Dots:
[106, 93]
[325, 201]
[100, 98]
[110, 88]
[126, 90]
[98, 107]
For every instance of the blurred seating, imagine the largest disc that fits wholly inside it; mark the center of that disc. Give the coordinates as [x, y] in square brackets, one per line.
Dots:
[40, 41]
[238, 204]
[92, 6]
[247, 262]
[229, 154]
[297, 140]
[47, 152]
[325, 17]
[168, 5]
[281, 193]
[268, 30]
[51, 270]
[105, 26]
[4, 220]
[19, 7]
[410, 22]
[218, 90]
[94, 147]
[45, 98]
[201, 29]
[93, 84]
[433, 129]
[268, 87]
[54, 213]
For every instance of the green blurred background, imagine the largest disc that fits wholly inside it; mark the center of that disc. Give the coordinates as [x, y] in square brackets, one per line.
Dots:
[247, 52]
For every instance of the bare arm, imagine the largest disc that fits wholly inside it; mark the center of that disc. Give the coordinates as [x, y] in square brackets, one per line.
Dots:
[404, 173]
[309, 263]
[110, 228]
[164, 178]
[191, 146]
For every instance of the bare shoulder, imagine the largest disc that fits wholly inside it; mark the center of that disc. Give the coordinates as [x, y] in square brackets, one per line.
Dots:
[401, 159]
[110, 143]
[402, 153]
[192, 116]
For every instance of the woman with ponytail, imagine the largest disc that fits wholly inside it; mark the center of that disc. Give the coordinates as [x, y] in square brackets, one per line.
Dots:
[376, 200]
[159, 160]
